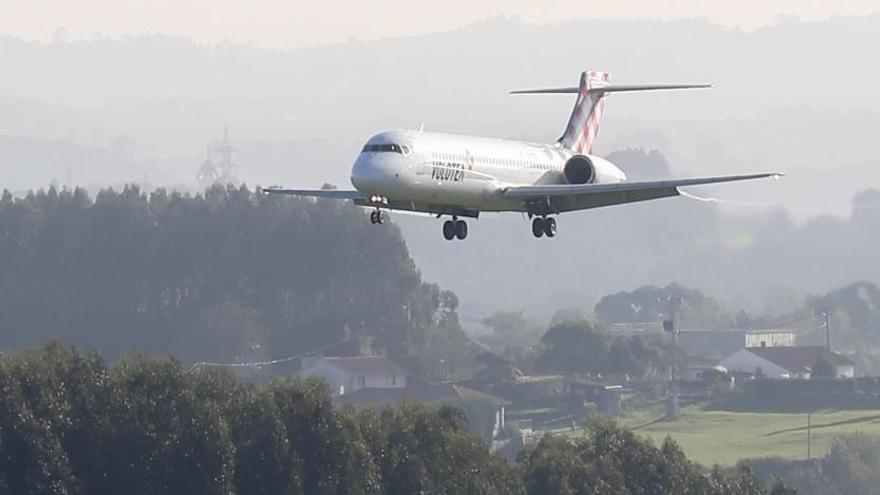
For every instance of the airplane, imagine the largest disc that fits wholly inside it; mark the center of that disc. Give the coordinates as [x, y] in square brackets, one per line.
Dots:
[460, 176]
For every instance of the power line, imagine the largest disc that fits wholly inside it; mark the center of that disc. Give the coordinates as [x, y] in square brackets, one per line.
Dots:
[257, 364]
[790, 321]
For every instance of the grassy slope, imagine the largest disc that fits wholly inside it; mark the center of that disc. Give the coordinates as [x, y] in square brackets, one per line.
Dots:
[725, 437]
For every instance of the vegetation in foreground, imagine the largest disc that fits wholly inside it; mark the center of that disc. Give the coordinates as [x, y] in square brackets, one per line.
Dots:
[851, 467]
[71, 424]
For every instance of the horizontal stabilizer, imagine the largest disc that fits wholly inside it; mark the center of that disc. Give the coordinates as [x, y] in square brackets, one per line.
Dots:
[548, 91]
[622, 88]
[617, 88]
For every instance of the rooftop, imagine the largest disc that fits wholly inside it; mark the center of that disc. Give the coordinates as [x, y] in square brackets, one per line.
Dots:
[798, 358]
[424, 393]
[750, 331]
[372, 365]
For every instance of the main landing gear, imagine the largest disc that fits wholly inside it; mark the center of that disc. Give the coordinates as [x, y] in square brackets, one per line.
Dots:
[455, 229]
[377, 217]
[544, 226]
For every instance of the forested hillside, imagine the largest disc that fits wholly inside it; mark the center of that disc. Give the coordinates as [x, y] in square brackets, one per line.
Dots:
[69, 424]
[225, 275]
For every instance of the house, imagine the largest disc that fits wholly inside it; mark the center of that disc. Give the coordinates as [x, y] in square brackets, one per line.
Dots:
[696, 367]
[349, 374]
[723, 342]
[440, 393]
[606, 397]
[786, 362]
[774, 337]
[532, 389]
[487, 428]
[537, 388]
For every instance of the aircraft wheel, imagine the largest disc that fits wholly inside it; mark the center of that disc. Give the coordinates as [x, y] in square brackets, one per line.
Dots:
[449, 230]
[538, 227]
[374, 217]
[461, 229]
[550, 227]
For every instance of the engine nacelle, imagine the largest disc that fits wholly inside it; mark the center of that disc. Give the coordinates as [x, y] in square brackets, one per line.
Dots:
[579, 169]
[582, 169]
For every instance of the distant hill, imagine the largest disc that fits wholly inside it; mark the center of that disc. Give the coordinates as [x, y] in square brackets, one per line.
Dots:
[172, 96]
[801, 97]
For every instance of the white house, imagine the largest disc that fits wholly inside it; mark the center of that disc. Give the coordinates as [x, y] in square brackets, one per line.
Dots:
[786, 362]
[347, 374]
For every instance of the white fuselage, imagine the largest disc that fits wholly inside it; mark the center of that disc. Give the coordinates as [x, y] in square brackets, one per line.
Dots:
[435, 172]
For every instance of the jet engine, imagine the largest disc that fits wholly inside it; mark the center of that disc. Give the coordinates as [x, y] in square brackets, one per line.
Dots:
[583, 169]
[579, 169]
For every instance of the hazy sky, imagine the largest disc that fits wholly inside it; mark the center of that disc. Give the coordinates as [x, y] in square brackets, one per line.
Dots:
[297, 23]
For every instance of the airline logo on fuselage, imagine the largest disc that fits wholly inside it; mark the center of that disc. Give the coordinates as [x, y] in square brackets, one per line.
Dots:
[448, 171]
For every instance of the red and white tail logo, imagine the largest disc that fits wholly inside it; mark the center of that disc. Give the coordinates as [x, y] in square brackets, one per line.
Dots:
[583, 125]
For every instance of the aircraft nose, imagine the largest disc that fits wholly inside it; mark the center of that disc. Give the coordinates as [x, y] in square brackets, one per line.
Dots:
[373, 174]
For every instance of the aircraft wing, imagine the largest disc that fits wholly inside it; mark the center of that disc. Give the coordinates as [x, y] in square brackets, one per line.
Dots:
[568, 197]
[317, 193]
[577, 189]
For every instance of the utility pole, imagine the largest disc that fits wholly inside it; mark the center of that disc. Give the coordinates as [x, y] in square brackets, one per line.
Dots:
[673, 406]
[809, 436]
[827, 329]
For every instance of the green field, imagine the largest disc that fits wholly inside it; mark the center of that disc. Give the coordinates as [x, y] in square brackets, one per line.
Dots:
[724, 437]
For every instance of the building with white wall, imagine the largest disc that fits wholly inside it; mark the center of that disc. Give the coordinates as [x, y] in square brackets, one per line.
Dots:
[348, 374]
[786, 362]
[718, 343]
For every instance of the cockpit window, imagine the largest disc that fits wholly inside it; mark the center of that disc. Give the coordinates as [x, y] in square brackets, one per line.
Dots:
[394, 148]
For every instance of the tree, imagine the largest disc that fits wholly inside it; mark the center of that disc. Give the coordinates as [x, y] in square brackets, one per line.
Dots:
[648, 304]
[230, 274]
[639, 164]
[780, 488]
[823, 368]
[70, 424]
[852, 465]
[513, 328]
[574, 347]
[857, 304]
[581, 347]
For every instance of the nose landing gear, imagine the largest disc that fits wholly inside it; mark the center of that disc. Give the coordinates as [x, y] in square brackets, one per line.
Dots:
[542, 226]
[377, 216]
[455, 229]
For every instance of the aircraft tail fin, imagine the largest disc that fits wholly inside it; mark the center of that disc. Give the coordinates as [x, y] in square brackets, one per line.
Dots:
[583, 125]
